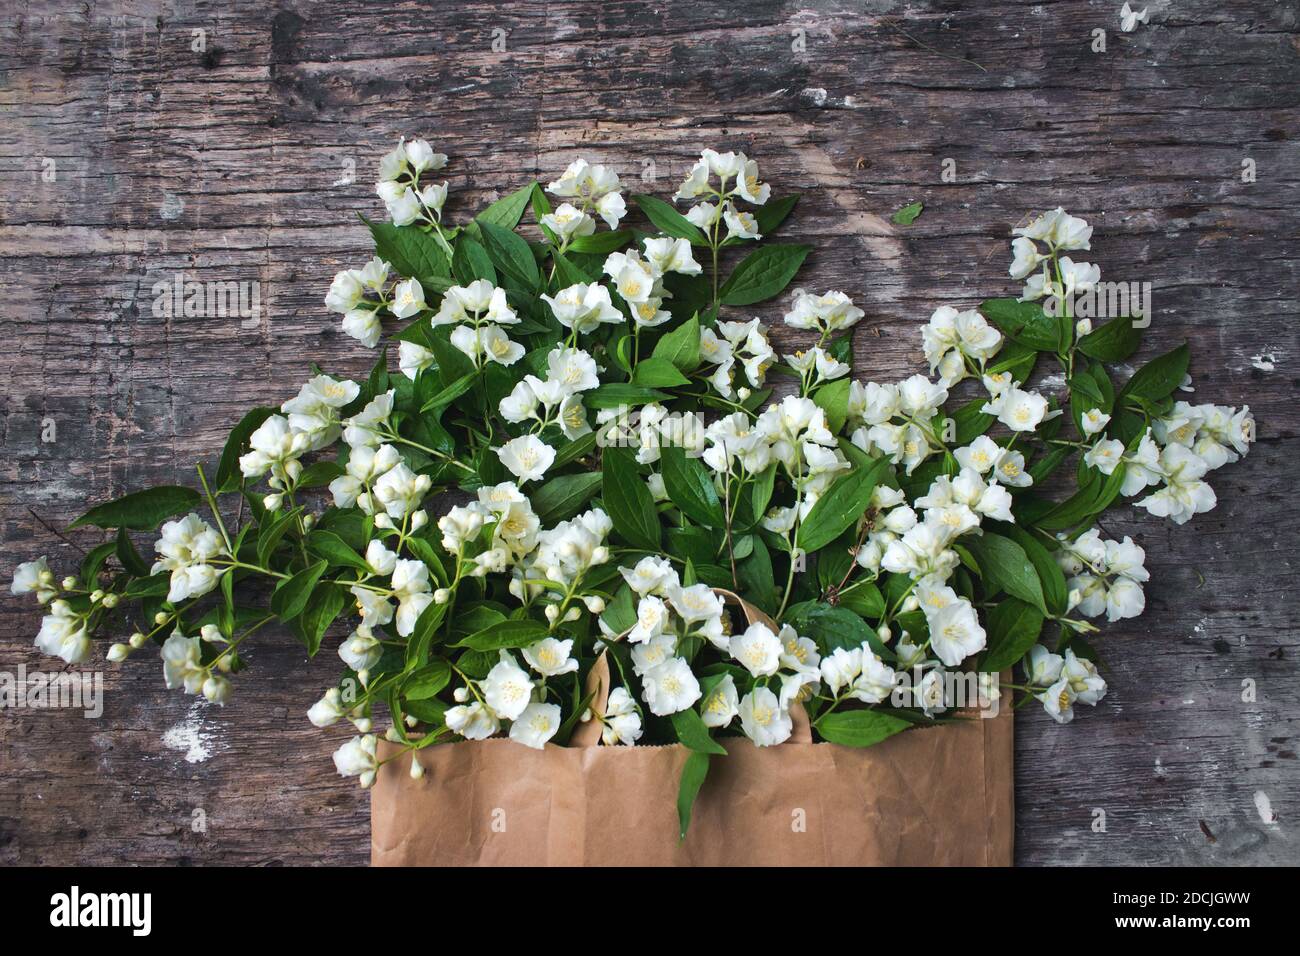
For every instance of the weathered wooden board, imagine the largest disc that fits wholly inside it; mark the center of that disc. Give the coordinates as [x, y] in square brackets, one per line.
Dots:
[248, 160]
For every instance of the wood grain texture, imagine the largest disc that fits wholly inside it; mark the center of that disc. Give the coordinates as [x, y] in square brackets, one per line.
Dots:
[229, 164]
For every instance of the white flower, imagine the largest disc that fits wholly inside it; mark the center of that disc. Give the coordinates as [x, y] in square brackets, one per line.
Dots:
[362, 650]
[1059, 230]
[1019, 410]
[413, 359]
[472, 721]
[1042, 667]
[408, 299]
[696, 183]
[841, 667]
[357, 758]
[507, 688]
[480, 300]
[1026, 257]
[828, 312]
[652, 575]
[379, 558]
[1058, 700]
[721, 705]
[1184, 493]
[181, 663]
[63, 634]
[583, 307]
[980, 456]
[703, 215]
[1088, 686]
[622, 723]
[876, 682]
[399, 490]
[536, 725]
[573, 370]
[185, 549]
[34, 576]
[568, 221]
[955, 631]
[345, 293]
[757, 649]
[421, 156]
[328, 710]
[363, 325]
[314, 411]
[1124, 599]
[365, 427]
[1130, 18]
[592, 184]
[667, 254]
[410, 584]
[670, 687]
[652, 620]
[763, 719]
[697, 603]
[274, 447]
[526, 457]
[550, 657]
[740, 225]
[748, 185]
[1094, 420]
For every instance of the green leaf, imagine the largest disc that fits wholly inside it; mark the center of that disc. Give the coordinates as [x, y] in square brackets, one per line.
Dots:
[833, 399]
[1023, 322]
[628, 500]
[412, 253]
[94, 560]
[453, 364]
[681, 346]
[471, 262]
[693, 733]
[510, 254]
[1158, 378]
[328, 545]
[907, 215]
[1113, 342]
[763, 273]
[614, 394]
[601, 243]
[690, 488]
[508, 210]
[291, 596]
[428, 681]
[1005, 566]
[843, 503]
[1055, 592]
[505, 635]
[864, 600]
[859, 728]
[319, 473]
[228, 474]
[658, 373]
[756, 576]
[270, 533]
[323, 607]
[564, 496]
[141, 510]
[451, 392]
[668, 220]
[129, 556]
[694, 771]
[1013, 628]
[833, 627]
[772, 213]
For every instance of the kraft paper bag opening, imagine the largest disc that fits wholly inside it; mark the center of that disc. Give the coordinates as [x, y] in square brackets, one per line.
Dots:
[937, 796]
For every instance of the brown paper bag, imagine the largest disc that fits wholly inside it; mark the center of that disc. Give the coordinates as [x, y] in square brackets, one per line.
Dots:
[929, 797]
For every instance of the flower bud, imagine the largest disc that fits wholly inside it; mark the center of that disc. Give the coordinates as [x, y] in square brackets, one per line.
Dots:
[110, 601]
[552, 612]
[363, 724]
[226, 662]
[600, 555]
[216, 689]
[1083, 327]
[461, 694]
[884, 633]
[911, 603]
[118, 652]
[367, 780]
[211, 634]
[595, 603]
[743, 393]
[272, 502]
[419, 519]
[308, 522]
[46, 578]
[383, 521]
[96, 596]
[586, 716]
[137, 640]
[441, 596]
[572, 614]
[410, 720]
[161, 617]
[70, 582]
[392, 735]
[363, 675]
[293, 469]
[417, 771]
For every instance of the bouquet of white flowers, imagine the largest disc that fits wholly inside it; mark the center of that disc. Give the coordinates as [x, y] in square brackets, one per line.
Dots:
[590, 414]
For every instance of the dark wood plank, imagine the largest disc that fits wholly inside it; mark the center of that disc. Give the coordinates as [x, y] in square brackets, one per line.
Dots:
[229, 164]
